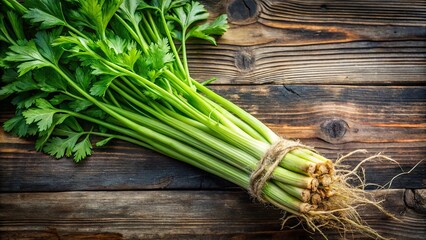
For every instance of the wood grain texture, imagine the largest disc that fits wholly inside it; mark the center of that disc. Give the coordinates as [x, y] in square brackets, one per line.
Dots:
[316, 42]
[374, 63]
[175, 215]
[393, 12]
[334, 119]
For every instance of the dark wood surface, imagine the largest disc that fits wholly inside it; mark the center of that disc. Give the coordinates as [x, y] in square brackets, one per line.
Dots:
[185, 214]
[338, 75]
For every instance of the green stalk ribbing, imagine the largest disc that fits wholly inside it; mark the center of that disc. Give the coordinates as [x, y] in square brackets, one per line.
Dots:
[297, 164]
[113, 99]
[238, 122]
[152, 24]
[292, 178]
[300, 193]
[172, 46]
[239, 158]
[255, 147]
[203, 161]
[186, 120]
[150, 32]
[234, 155]
[205, 106]
[184, 57]
[206, 163]
[231, 107]
[176, 135]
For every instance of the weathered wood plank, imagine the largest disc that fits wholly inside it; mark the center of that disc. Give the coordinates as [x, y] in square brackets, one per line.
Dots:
[176, 214]
[396, 12]
[365, 62]
[334, 119]
[357, 114]
[337, 42]
[367, 12]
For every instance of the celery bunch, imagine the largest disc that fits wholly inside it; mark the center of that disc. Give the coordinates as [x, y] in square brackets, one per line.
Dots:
[118, 70]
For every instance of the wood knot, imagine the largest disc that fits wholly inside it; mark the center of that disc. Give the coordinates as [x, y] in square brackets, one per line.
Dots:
[334, 129]
[416, 199]
[245, 60]
[242, 11]
[324, 7]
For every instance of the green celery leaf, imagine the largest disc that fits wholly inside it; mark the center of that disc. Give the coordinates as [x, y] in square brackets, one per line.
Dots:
[21, 84]
[83, 78]
[176, 34]
[59, 98]
[141, 67]
[47, 12]
[31, 65]
[217, 27]
[95, 14]
[82, 149]
[129, 58]
[14, 5]
[45, 135]
[189, 14]
[43, 115]
[79, 105]
[44, 42]
[3, 63]
[128, 10]
[100, 68]
[27, 99]
[9, 75]
[60, 147]
[43, 104]
[95, 113]
[72, 43]
[49, 80]
[29, 55]
[114, 44]
[202, 35]
[18, 126]
[159, 54]
[120, 51]
[99, 88]
[103, 142]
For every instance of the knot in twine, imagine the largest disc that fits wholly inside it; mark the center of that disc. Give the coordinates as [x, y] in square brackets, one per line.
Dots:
[267, 164]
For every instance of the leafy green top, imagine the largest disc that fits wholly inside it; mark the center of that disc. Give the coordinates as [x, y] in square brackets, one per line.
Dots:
[72, 62]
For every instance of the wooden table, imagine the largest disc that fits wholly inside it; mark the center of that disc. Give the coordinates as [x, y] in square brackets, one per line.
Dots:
[339, 75]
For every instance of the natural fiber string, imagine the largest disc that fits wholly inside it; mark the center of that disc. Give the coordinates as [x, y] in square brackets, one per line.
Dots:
[267, 164]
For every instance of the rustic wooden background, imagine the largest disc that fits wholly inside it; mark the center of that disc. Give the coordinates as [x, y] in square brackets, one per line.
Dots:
[339, 75]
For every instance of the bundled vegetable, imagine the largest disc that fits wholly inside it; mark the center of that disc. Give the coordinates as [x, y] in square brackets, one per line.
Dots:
[118, 69]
